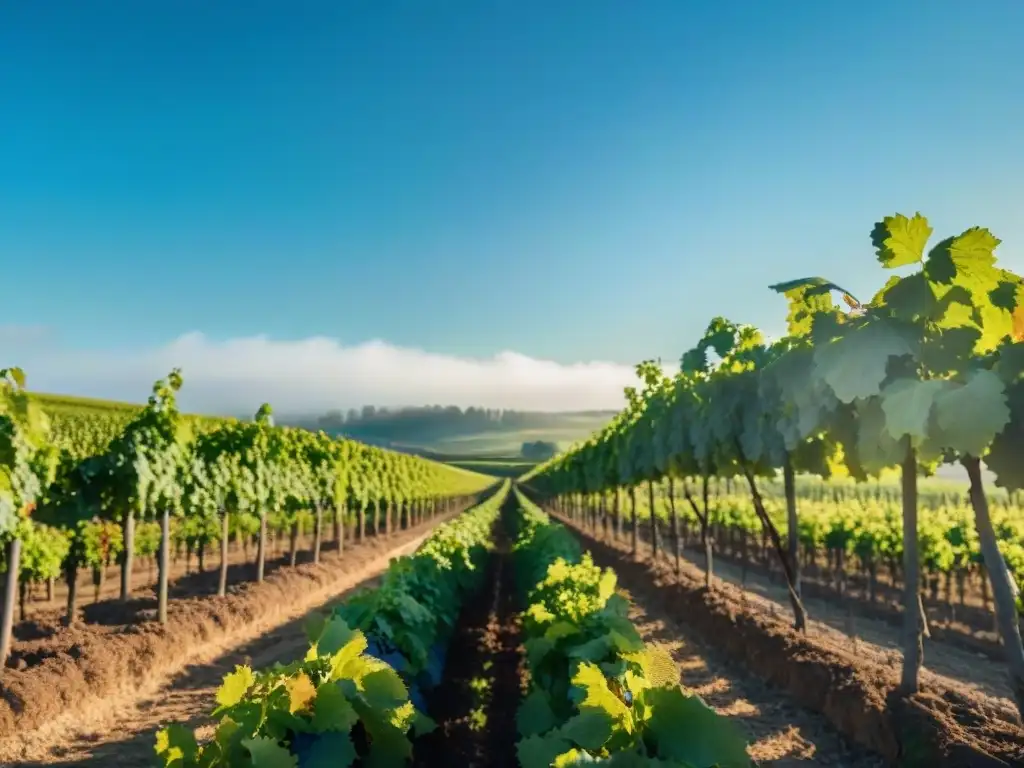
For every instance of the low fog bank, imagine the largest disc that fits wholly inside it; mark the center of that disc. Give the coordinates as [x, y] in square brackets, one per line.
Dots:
[315, 375]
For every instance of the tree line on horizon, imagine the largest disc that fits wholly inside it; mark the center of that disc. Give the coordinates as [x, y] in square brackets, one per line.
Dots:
[436, 420]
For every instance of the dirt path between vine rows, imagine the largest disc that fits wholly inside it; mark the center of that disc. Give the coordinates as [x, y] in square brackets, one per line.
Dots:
[475, 706]
[945, 664]
[123, 732]
[483, 678]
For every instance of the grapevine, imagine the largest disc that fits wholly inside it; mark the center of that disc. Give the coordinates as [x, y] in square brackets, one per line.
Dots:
[928, 371]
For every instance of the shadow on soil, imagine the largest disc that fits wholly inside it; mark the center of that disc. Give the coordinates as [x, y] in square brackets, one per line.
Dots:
[196, 677]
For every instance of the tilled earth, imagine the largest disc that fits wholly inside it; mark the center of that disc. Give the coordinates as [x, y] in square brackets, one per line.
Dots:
[475, 706]
[121, 729]
[849, 678]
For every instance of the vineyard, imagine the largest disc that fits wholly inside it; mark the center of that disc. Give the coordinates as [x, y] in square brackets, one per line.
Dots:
[925, 373]
[751, 565]
[365, 688]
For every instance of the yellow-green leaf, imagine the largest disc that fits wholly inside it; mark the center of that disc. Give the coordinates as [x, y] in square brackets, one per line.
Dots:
[900, 240]
[235, 686]
[301, 692]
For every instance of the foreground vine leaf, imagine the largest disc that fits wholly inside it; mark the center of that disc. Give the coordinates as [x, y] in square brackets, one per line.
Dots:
[688, 730]
[593, 701]
[267, 753]
[900, 240]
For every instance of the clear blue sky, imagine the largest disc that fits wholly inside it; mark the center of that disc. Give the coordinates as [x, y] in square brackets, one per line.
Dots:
[575, 179]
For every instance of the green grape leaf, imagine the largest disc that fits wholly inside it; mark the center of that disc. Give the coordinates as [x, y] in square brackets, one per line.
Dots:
[388, 749]
[854, 365]
[939, 266]
[911, 298]
[229, 737]
[694, 360]
[348, 661]
[331, 710]
[314, 626]
[626, 641]
[1011, 363]
[634, 760]
[971, 415]
[949, 350]
[900, 241]
[996, 325]
[422, 724]
[719, 336]
[535, 715]
[592, 694]
[809, 287]
[384, 689]
[968, 259]
[575, 757]
[177, 743]
[591, 728]
[267, 753]
[622, 632]
[560, 629]
[336, 634]
[349, 673]
[593, 650]
[536, 649]
[907, 405]
[686, 729]
[331, 750]
[876, 450]
[541, 751]
[236, 684]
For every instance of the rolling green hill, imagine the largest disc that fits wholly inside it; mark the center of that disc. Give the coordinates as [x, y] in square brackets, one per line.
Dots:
[473, 433]
[490, 445]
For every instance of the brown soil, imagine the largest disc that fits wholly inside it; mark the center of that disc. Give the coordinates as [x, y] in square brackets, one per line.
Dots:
[43, 634]
[952, 660]
[125, 734]
[851, 683]
[89, 677]
[475, 707]
[970, 626]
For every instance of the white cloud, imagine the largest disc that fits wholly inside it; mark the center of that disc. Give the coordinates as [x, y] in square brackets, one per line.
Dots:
[317, 374]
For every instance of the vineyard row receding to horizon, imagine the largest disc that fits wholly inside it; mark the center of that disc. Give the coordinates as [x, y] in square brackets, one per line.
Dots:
[81, 492]
[361, 693]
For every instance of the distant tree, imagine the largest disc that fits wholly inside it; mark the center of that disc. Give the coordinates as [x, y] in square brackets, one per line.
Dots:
[331, 420]
[541, 450]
